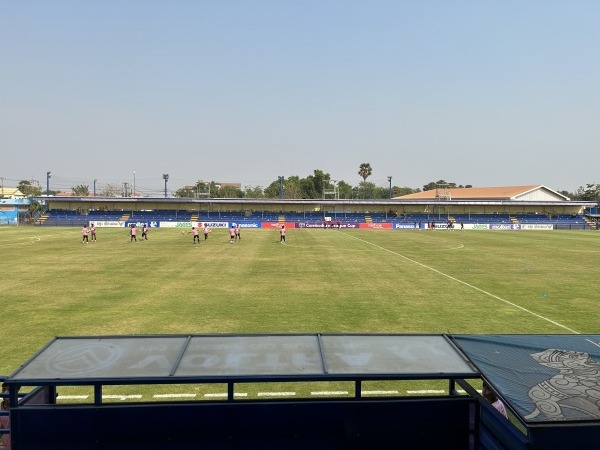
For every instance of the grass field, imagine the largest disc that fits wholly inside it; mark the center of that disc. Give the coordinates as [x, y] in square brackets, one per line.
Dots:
[320, 281]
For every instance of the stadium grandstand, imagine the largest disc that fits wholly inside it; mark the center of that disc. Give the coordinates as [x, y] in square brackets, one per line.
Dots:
[517, 207]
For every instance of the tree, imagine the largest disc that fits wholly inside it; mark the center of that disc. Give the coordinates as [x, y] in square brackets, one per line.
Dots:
[344, 189]
[365, 171]
[28, 189]
[398, 191]
[80, 191]
[314, 184]
[110, 190]
[185, 192]
[253, 192]
[308, 188]
[292, 187]
[591, 192]
[229, 192]
[371, 189]
[379, 192]
[272, 190]
[443, 183]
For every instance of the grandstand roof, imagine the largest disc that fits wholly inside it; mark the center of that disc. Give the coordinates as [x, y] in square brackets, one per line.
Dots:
[517, 193]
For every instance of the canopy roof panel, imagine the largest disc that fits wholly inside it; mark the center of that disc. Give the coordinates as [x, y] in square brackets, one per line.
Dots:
[161, 358]
[543, 377]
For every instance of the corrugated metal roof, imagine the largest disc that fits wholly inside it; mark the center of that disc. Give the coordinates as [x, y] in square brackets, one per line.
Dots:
[482, 193]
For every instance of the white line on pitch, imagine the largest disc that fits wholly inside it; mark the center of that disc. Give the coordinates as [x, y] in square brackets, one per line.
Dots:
[329, 393]
[72, 397]
[121, 397]
[174, 395]
[466, 284]
[224, 395]
[276, 394]
[427, 391]
[379, 392]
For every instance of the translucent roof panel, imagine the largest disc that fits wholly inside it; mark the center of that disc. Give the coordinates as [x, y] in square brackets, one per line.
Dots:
[392, 354]
[105, 357]
[115, 358]
[251, 355]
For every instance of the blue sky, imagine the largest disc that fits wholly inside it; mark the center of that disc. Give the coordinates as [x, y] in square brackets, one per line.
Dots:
[485, 93]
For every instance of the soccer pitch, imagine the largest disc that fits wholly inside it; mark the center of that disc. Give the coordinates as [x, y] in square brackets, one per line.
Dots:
[320, 281]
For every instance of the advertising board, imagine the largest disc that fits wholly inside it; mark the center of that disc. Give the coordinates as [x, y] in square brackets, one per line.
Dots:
[320, 225]
[537, 226]
[277, 224]
[249, 224]
[376, 226]
[107, 223]
[210, 224]
[176, 224]
[140, 223]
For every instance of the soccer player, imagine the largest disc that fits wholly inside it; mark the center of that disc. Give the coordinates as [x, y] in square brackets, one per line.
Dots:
[232, 234]
[282, 235]
[93, 230]
[145, 232]
[206, 231]
[196, 235]
[237, 232]
[84, 235]
[133, 233]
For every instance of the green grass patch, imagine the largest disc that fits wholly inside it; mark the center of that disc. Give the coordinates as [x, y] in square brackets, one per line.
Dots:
[321, 281]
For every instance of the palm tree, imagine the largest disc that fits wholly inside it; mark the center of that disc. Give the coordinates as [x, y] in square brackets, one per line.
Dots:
[365, 172]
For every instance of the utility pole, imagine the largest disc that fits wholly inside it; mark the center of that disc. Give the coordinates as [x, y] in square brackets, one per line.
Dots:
[166, 178]
[95, 187]
[48, 184]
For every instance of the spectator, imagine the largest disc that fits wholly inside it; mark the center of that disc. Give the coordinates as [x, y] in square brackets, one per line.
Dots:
[491, 397]
[5, 419]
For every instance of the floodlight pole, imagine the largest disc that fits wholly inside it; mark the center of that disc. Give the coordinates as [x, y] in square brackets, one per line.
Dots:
[95, 187]
[166, 178]
[281, 187]
[390, 181]
[48, 184]
[134, 183]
